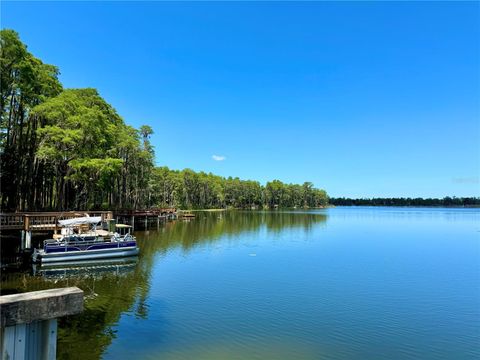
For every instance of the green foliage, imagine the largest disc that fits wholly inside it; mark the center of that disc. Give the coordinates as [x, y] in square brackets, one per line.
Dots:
[91, 169]
[86, 122]
[94, 151]
[25, 82]
[191, 190]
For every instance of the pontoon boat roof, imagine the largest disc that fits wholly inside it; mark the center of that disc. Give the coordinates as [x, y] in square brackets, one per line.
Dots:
[80, 221]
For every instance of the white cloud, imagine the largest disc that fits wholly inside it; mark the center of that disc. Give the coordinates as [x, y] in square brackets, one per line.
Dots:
[467, 180]
[218, 157]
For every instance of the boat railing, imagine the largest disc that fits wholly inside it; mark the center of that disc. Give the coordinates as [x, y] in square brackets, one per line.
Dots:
[73, 242]
[79, 241]
[50, 241]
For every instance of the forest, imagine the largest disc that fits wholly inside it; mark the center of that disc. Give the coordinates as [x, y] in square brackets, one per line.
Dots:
[190, 189]
[66, 149]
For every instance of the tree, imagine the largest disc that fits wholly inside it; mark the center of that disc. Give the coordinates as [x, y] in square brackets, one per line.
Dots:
[25, 82]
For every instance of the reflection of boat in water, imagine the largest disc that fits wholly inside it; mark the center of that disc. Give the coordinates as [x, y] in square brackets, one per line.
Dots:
[86, 268]
[92, 244]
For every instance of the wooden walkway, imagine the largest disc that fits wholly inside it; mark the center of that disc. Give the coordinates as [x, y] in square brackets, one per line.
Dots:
[145, 217]
[48, 221]
[42, 221]
[149, 213]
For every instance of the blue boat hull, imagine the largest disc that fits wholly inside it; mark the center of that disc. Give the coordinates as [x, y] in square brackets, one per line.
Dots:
[77, 255]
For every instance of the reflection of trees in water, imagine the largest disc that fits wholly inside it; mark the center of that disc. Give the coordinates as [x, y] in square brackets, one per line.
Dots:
[109, 294]
[278, 221]
[88, 335]
[211, 226]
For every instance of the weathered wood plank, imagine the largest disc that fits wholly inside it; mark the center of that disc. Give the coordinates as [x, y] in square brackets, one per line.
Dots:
[40, 305]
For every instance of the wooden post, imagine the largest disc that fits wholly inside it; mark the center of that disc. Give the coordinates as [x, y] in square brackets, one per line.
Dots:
[29, 321]
[26, 222]
[133, 222]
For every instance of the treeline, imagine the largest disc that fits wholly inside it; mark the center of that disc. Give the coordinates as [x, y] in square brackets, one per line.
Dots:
[189, 189]
[63, 149]
[446, 201]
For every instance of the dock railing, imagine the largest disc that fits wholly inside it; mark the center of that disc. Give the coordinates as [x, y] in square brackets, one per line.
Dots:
[29, 322]
[38, 221]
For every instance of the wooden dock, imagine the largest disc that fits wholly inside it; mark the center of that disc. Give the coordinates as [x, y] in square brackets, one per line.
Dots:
[162, 212]
[145, 217]
[30, 222]
[42, 221]
[186, 215]
[48, 221]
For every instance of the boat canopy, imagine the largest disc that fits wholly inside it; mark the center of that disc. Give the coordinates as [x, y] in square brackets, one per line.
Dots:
[80, 221]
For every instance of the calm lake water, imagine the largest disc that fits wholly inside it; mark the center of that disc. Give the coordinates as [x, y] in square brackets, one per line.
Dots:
[343, 283]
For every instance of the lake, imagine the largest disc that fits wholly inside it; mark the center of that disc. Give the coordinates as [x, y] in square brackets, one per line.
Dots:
[341, 283]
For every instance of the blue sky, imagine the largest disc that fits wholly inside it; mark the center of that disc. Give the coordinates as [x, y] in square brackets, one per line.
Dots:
[363, 99]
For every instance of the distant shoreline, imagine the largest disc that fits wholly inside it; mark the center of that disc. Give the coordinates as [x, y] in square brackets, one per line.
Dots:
[448, 201]
[338, 206]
